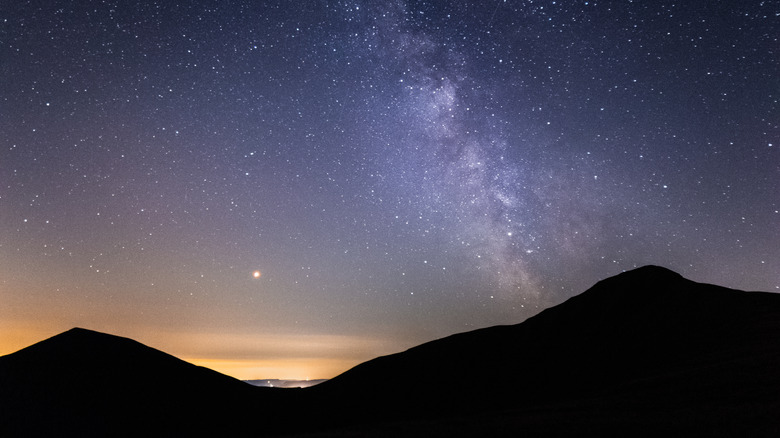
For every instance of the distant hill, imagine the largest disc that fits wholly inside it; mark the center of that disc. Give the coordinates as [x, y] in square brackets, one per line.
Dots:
[646, 352]
[86, 383]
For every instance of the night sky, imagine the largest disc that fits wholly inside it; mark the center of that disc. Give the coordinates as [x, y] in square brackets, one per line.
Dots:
[393, 171]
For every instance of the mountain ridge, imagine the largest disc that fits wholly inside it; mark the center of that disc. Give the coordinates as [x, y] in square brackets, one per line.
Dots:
[646, 352]
[624, 329]
[114, 380]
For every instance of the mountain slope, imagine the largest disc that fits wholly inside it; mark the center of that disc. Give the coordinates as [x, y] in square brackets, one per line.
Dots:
[644, 341]
[82, 382]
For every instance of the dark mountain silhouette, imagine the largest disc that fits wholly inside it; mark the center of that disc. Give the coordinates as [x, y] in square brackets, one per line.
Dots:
[646, 352]
[86, 383]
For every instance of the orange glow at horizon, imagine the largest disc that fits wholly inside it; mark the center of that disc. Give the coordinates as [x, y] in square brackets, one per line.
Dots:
[284, 356]
[283, 369]
[242, 355]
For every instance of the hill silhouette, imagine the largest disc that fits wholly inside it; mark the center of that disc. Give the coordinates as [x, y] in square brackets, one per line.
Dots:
[86, 383]
[647, 349]
[646, 352]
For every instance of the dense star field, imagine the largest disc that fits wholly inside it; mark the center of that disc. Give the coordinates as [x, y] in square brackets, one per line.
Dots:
[284, 189]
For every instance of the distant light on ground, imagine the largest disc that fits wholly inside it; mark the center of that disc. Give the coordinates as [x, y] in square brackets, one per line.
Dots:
[277, 383]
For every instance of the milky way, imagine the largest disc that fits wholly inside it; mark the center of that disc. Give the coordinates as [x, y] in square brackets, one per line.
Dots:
[397, 171]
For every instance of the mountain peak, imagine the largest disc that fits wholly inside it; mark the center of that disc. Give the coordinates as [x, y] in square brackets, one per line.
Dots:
[81, 330]
[116, 380]
[649, 296]
[647, 277]
[644, 285]
[87, 334]
[654, 272]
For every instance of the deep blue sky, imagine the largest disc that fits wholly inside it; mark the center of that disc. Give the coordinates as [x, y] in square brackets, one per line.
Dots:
[397, 171]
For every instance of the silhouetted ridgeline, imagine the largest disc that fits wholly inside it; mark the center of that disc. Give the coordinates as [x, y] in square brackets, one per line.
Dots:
[646, 352]
[85, 383]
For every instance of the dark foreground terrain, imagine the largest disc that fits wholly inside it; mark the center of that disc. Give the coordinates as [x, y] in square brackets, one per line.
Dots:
[645, 353]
